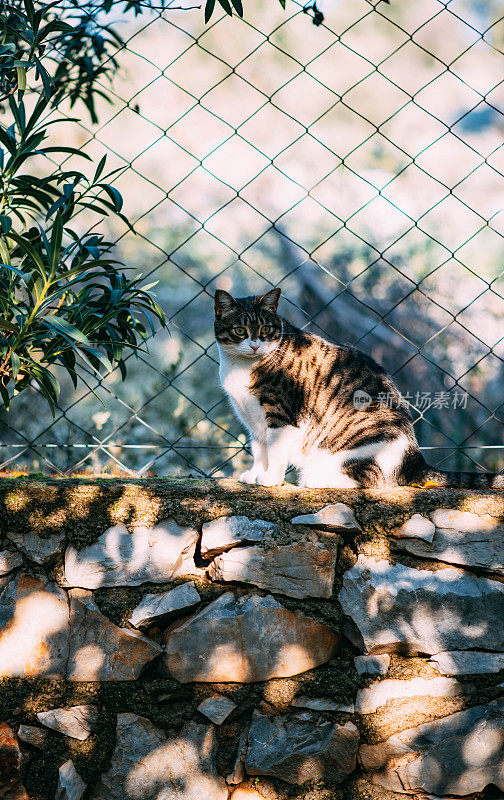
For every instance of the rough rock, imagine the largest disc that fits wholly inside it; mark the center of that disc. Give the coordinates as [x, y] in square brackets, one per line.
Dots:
[70, 784]
[161, 607]
[246, 639]
[225, 533]
[455, 755]
[322, 704]
[11, 760]
[33, 735]
[417, 527]
[147, 764]
[217, 708]
[120, 558]
[35, 547]
[462, 538]
[372, 665]
[396, 608]
[467, 662]
[34, 629]
[100, 650]
[301, 569]
[301, 748]
[78, 722]
[237, 773]
[379, 693]
[336, 517]
[9, 560]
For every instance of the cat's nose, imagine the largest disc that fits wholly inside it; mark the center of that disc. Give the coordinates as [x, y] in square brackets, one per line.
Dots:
[255, 347]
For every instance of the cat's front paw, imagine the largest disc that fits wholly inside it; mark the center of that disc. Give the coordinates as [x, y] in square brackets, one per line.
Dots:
[249, 476]
[268, 479]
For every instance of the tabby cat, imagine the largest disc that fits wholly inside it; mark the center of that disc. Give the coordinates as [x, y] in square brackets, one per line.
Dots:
[301, 399]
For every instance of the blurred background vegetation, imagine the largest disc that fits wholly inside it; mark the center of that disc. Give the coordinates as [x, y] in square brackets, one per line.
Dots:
[357, 163]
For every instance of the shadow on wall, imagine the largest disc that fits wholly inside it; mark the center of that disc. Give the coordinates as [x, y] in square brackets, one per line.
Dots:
[57, 647]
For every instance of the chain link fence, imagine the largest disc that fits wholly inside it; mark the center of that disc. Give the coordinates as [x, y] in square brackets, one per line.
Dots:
[357, 163]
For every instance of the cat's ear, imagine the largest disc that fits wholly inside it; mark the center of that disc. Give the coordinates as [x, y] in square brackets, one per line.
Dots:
[223, 302]
[269, 301]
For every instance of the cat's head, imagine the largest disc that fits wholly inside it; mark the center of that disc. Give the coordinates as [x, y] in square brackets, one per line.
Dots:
[247, 326]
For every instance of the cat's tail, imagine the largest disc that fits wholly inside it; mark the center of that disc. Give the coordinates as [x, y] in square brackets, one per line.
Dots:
[416, 471]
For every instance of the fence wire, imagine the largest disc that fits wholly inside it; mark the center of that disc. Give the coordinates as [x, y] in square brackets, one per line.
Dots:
[357, 163]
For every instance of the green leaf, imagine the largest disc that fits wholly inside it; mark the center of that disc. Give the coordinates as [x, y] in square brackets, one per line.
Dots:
[226, 6]
[61, 325]
[209, 9]
[114, 195]
[15, 364]
[237, 5]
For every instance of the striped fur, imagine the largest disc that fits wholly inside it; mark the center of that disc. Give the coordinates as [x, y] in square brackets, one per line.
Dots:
[295, 393]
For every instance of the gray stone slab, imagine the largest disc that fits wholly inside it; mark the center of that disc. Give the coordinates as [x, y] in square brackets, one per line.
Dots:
[78, 722]
[468, 662]
[100, 650]
[35, 547]
[417, 527]
[301, 569]
[70, 784]
[457, 755]
[322, 704]
[163, 606]
[121, 558]
[34, 628]
[9, 561]
[224, 533]
[217, 708]
[336, 517]
[370, 698]
[300, 748]
[478, 543]
[147, 764]
[396, 608]
[246, 639]
[32, 734]
[372, 665]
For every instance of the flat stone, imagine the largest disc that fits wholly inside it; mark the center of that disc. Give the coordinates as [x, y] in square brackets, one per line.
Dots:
[301, 748]
[462, 538]
[147, 764]
[78, 722]
[9, 560]
[35, 547]
[70, 784]
[368, 700]
[322, 704]
[33, 735]
[336, 517]
[372, 665]
[246, 639]
[102, 651]
[224, 533]
[301, 569]
[34, 629]
[397, 608]
[417, 527]
[11, 760]
[161, 607]
[217, 708]
[467, 662]
[121, 558]
[456, 755]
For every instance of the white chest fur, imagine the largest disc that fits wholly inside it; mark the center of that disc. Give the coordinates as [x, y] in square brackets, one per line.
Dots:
[235, 379]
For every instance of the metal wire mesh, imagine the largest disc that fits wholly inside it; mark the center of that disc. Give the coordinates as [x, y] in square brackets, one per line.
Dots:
[356, 163]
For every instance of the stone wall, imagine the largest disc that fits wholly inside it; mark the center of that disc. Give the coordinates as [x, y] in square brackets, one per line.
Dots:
[200, 640]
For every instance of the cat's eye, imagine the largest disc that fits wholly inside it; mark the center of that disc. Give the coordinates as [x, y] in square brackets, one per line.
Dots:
[240, 330]
[266, 329]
